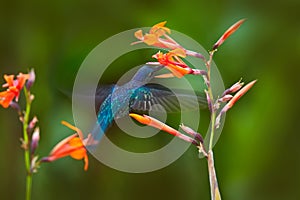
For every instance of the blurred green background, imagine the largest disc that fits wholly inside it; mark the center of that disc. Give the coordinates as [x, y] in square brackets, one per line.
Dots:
[257, 156]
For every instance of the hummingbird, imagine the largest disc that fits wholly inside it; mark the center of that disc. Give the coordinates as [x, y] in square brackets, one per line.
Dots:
[114, 101]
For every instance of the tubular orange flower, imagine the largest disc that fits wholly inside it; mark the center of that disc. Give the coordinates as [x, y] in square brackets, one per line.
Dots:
[71, 146]
[239, 94]
[150, 121]
[155, 33]
[13, 88]
[172, 61]
[228, 33]
[233, 100]
[160, 29]
[15, 85]
[153, 38]
[158, 37]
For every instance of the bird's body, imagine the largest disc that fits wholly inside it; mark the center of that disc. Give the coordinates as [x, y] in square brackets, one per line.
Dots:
[116, 101]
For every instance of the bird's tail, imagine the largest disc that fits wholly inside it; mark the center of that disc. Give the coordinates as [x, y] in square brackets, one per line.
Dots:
[104, 120]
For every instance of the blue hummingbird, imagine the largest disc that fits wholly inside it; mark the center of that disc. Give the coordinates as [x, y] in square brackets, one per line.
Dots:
[113, 101]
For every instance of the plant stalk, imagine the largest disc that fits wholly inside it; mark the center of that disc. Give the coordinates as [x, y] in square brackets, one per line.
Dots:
[214, 188]
[26, 142]
[212, 101]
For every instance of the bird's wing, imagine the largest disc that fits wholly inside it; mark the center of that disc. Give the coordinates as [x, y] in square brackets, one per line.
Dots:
[102, 93]
[146, 97]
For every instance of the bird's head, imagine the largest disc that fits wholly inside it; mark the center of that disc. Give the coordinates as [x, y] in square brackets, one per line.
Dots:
[146, 73]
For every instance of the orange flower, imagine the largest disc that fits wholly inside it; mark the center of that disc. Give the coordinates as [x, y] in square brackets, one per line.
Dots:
[228, 33]
[153, 38]
[172, 61]
[6, 97]
[13, 88]
[239, 94]
[150, 121]
[71, 146]
[233, 100]
[158, 37]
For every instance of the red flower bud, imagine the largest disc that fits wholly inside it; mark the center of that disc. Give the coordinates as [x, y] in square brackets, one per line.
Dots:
[228, 33]
[150, 121]
[239, 94]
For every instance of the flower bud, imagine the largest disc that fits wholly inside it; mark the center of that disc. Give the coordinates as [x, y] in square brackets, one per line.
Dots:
[199, 72]
[34, 164]
[228, 33]
[239, 94]
[32, 124]
[191, 132]
[35, 140]
[234, 88]
[233, 100]
[209, 103]
[15, 106]
[31, 79]
[150, 121]
[194, 54]
[225, 98]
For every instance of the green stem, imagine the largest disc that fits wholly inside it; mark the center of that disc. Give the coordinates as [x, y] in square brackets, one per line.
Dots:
[212, 133]
[215, 193]
[28, 186]
[26, 145]
[212, 101]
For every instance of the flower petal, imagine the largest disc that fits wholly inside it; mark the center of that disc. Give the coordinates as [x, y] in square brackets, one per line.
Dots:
[179, 72]
[9, 80]
[86, 162]
[150, 39]
[62, 143]
[178, 52]
[139, 35]
[157, 28]
[6, 98]
[78, 154]
[21, 79]
[70, 126]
